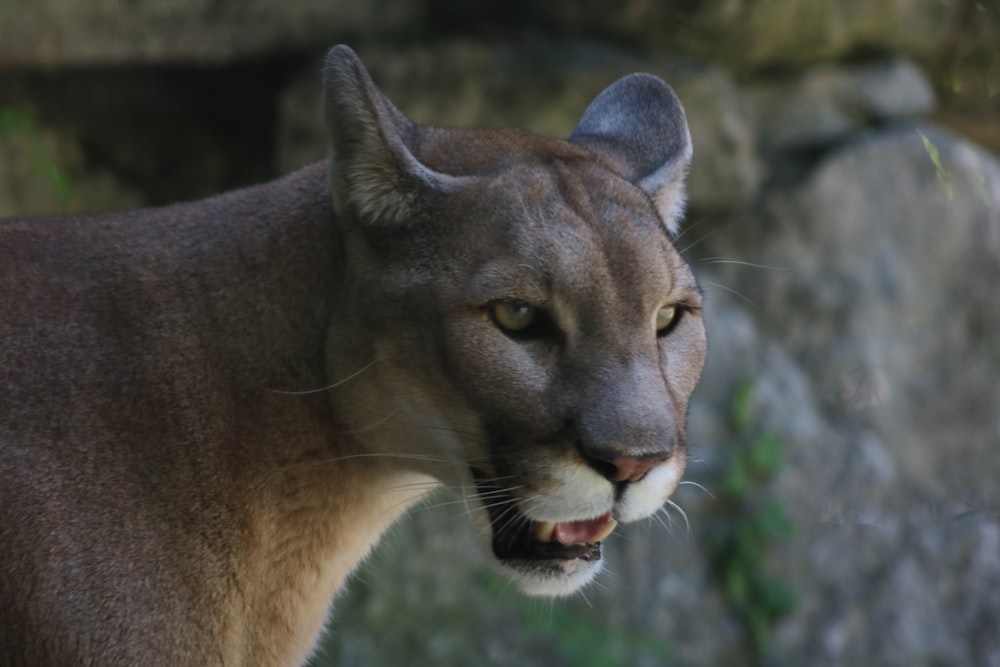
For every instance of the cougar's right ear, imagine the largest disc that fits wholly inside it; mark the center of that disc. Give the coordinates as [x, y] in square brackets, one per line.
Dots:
[639, 126]
[375, 176]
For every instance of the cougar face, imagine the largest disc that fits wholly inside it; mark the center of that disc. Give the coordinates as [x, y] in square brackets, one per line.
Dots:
[588, 334]
[540, 338]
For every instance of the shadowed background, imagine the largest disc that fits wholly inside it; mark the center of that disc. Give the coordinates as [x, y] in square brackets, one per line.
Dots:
[844, 219]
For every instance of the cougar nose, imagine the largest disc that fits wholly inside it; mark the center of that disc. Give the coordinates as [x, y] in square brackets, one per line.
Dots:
[625, 468]
[632, 469]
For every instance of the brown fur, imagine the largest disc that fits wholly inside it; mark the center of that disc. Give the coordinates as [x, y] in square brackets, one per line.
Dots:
[175, 489]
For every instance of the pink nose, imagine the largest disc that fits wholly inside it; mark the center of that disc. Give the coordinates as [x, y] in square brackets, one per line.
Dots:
[632, 468]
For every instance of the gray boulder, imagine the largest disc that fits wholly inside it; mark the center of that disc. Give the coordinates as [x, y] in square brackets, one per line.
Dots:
[872, 337]
[825, 104]
[890, 256]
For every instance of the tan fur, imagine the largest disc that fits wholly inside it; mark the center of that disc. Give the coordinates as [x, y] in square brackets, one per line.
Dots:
[211, 411]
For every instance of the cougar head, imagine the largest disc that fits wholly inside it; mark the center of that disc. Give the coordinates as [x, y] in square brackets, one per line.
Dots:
[531, 336]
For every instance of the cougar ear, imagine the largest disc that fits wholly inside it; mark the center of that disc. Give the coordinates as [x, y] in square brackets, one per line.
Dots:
[638, 124]
[375, 175]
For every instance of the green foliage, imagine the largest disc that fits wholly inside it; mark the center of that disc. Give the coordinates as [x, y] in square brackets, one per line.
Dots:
[943, 175]
[750, 525]
[19, 124]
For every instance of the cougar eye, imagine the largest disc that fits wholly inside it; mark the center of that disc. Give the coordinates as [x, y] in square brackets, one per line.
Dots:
[513, 316]
[666, 317]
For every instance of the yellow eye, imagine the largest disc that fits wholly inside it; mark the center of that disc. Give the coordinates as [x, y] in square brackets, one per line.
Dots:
[511, 315]
[664, 318]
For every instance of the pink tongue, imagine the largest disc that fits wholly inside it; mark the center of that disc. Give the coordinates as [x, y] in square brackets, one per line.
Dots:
[580, 532]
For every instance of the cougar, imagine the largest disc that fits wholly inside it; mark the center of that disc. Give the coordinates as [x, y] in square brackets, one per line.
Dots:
[211, 411]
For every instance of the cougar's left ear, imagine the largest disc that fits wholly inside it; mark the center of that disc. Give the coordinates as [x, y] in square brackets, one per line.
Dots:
[638, 124]
[375, 176]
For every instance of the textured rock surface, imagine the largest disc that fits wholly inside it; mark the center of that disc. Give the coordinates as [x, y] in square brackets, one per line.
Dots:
[871, 346]
[889, 254]
[56, 32]
[743, 34]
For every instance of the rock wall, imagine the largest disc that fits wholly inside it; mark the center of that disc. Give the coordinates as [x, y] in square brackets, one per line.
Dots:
[844, 220]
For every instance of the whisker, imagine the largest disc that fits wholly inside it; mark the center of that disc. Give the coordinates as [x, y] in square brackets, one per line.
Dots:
[680, 510]
[668, 524]
[735, 292]
[502, 587]
[464, 496]
[395, 455]
[333, 459]
[530, 503]
[699, 240]
[608, 573]
[551, 604]
[391, 508]
[690, 227]
[464, 500]
[371, 425]
[509, 518]
[598, 584]
[688, 482]
[329, 387]
[470, 436]
[490, 498]
[739, 262]
[389, 455]
[429, 484]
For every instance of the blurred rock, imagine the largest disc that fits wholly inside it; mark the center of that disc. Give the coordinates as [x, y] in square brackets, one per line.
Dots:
[726, 172]
[826, 103]
[748, 34]
[868, 337]
[880, 593]
[53, 32]
[889, 256]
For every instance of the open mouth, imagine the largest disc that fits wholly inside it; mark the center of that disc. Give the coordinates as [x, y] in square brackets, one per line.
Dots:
[515, 537]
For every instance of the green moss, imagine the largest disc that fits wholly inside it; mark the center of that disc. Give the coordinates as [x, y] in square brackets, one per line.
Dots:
[19, 125]
[749, 526]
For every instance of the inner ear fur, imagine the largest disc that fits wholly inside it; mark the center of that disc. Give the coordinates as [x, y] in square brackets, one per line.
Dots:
[638, 125]
[375, 175]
